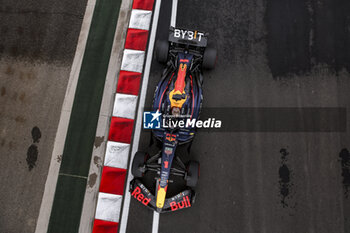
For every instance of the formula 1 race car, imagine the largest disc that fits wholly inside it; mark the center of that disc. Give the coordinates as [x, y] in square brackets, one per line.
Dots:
[178, 97]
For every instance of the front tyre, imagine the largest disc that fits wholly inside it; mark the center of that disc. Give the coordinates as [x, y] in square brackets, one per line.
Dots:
[192, 174]
[209, 58]
[137, 163]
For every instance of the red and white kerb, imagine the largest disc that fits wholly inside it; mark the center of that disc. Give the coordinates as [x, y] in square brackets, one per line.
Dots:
[122, 122]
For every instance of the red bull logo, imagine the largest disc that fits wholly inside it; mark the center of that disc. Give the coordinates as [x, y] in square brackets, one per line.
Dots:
[178, 95]
[185, 203]
[181, 75]
[140, 197]
[170, 137]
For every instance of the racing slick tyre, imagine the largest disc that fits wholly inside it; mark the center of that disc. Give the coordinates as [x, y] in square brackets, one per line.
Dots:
[139, 161]
[192, 174]
[162, 49]
[209, 58]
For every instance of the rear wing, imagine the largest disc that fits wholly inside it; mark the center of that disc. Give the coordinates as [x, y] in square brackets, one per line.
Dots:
[188, 37]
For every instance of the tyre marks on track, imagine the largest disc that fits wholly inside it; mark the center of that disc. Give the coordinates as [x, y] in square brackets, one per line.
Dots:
[32, 152]
[303, 35]
[285, 179]
[286, 191]
[344, 156]
[288, 31]
[331, 42]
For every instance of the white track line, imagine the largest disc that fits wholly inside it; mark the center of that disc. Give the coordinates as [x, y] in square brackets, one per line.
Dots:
[138, 123]
[173, 13]
[155, 224]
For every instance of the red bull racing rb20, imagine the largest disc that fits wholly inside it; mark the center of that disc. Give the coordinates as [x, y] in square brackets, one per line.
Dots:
[178, 96]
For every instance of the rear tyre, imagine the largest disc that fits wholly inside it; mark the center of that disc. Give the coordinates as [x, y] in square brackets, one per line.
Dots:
[139, 161]
[209, 58]
[162, 49]
[192, 174]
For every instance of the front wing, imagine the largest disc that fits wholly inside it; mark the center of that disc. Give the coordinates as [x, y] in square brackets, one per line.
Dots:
[180, 201]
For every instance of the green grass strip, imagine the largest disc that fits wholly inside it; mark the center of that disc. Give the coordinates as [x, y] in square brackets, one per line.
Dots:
[70, 190]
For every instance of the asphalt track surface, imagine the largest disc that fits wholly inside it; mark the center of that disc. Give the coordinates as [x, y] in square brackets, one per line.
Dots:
[37, 45]
[271, 54]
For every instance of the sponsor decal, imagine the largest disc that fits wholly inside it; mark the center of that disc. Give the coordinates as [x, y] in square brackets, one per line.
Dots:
[161, 196]
[168, 151]
[185, 203]
[140, 197]
[187, 34]
[164, 178]
[170, 137]
[166, 164]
